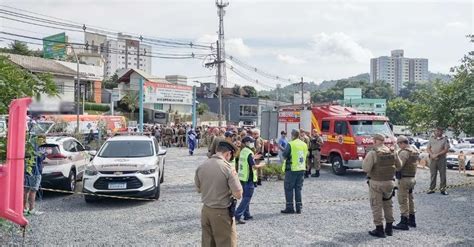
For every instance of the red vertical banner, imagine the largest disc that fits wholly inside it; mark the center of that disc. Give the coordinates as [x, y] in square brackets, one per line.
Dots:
[13, 171]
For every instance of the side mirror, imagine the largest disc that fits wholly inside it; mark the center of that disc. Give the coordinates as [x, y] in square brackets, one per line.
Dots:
[92, 152]
[162, 152]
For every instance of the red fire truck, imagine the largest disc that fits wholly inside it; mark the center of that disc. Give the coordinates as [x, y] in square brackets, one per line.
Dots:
[347, 133]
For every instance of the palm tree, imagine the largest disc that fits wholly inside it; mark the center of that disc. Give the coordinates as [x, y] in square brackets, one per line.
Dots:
[131, 101]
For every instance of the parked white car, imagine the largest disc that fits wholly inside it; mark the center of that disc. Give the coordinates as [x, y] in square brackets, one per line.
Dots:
[65, 162]
[126, 165]
[467, 148]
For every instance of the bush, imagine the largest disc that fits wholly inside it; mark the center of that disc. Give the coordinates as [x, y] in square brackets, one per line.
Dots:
[273, 171]
[96, 107]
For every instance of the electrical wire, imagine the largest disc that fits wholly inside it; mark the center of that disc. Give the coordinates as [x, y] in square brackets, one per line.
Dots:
[249, 78]
[258, 71]
[86, 28]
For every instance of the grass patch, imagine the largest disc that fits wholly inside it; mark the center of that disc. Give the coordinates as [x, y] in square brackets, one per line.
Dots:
[273, 171]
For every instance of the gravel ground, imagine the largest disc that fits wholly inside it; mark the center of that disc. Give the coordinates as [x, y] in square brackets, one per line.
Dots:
[175, 218]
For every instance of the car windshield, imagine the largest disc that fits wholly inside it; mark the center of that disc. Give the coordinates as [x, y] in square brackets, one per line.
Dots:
[369, 127]
[41, 127]
[126, 149]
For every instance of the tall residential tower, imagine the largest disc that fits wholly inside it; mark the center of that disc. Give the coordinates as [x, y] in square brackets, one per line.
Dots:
[398, 69]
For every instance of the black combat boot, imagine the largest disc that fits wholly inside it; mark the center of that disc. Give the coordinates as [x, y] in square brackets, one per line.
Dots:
[288, 211]
[411, 221]
[316, 174]
[259, 182]
[378, 232]
[403, 225]
[306, 174]
[389, 229]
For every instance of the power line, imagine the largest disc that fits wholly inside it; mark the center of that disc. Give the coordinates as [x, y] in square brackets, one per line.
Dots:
[258, 71]
[249, 78]
[111, 50]
[82, 27]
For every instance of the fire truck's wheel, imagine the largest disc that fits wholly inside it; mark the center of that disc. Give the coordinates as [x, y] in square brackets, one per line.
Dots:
[337, 165]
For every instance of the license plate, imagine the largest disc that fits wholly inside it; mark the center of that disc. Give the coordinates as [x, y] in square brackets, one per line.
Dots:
[117, 186]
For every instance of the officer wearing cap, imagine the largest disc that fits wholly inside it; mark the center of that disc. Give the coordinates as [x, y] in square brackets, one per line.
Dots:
[218, 138]
[248, 178]
[408, 158]
[218, 184]
[380, 165]
[295, 154]
[438, 147]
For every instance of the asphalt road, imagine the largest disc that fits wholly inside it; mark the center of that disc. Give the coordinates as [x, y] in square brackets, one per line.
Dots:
[175, 218]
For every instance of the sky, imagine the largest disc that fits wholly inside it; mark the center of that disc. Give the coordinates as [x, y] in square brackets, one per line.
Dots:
[316, 40]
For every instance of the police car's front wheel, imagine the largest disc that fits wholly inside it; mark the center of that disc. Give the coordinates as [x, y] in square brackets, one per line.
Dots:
[337, 165]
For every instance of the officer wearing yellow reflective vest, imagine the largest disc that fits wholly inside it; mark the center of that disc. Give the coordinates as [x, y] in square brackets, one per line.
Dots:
[406, 183]
[380, 164]
[295, 154]
[248, 178]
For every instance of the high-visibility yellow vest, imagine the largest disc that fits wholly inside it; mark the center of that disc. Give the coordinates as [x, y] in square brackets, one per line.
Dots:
[299, 152]
[244, 166]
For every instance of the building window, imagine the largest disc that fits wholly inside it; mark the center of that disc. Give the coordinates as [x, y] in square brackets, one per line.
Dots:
[325, 126]
[60, 87]
[248, 110]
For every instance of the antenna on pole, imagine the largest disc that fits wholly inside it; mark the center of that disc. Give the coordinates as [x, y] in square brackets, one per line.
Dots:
[221, 4]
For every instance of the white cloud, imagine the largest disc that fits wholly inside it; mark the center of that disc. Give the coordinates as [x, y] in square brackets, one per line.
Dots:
[290, 59]
[234, 46]
[456, 24]
[340, 46]
[237, 47]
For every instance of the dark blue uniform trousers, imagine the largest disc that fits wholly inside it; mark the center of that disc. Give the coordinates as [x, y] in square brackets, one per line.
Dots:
[293, 185]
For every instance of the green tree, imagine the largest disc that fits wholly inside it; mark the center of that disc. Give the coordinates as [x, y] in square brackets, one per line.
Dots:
[16, 82]
[251, 92]
[20, 48]
[202, 108]
[236, 90]
[130, 101]
[448, 105]
[111, 82]
[399, 110]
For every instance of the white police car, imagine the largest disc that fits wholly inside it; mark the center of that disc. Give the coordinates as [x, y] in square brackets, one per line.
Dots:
[126, 166]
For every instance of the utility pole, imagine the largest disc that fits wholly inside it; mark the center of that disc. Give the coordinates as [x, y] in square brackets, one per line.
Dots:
[194, 108]
[221, 4]
[78, 89]
[140, 105]
[302, 92]
[219, 82]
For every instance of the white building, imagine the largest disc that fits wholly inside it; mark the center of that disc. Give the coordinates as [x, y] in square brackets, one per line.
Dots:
[123, 54]
[398, 69]
[118, 54]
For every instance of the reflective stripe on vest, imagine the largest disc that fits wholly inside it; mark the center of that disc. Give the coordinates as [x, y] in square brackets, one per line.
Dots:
[299, 152]
[244, 166]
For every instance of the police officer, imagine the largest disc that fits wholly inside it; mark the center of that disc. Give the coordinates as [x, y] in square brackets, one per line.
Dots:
[295, 154]
[315, 149]
[259, 149]
[406, 183]
[438, 147]
[218, 184]
[248, 178]
[380, 165]
[215, 141]
[306, 139]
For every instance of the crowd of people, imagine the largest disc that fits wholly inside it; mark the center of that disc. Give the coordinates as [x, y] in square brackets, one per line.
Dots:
[231, 173]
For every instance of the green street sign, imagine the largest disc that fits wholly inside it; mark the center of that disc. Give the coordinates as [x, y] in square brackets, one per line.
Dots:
[54, 46]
